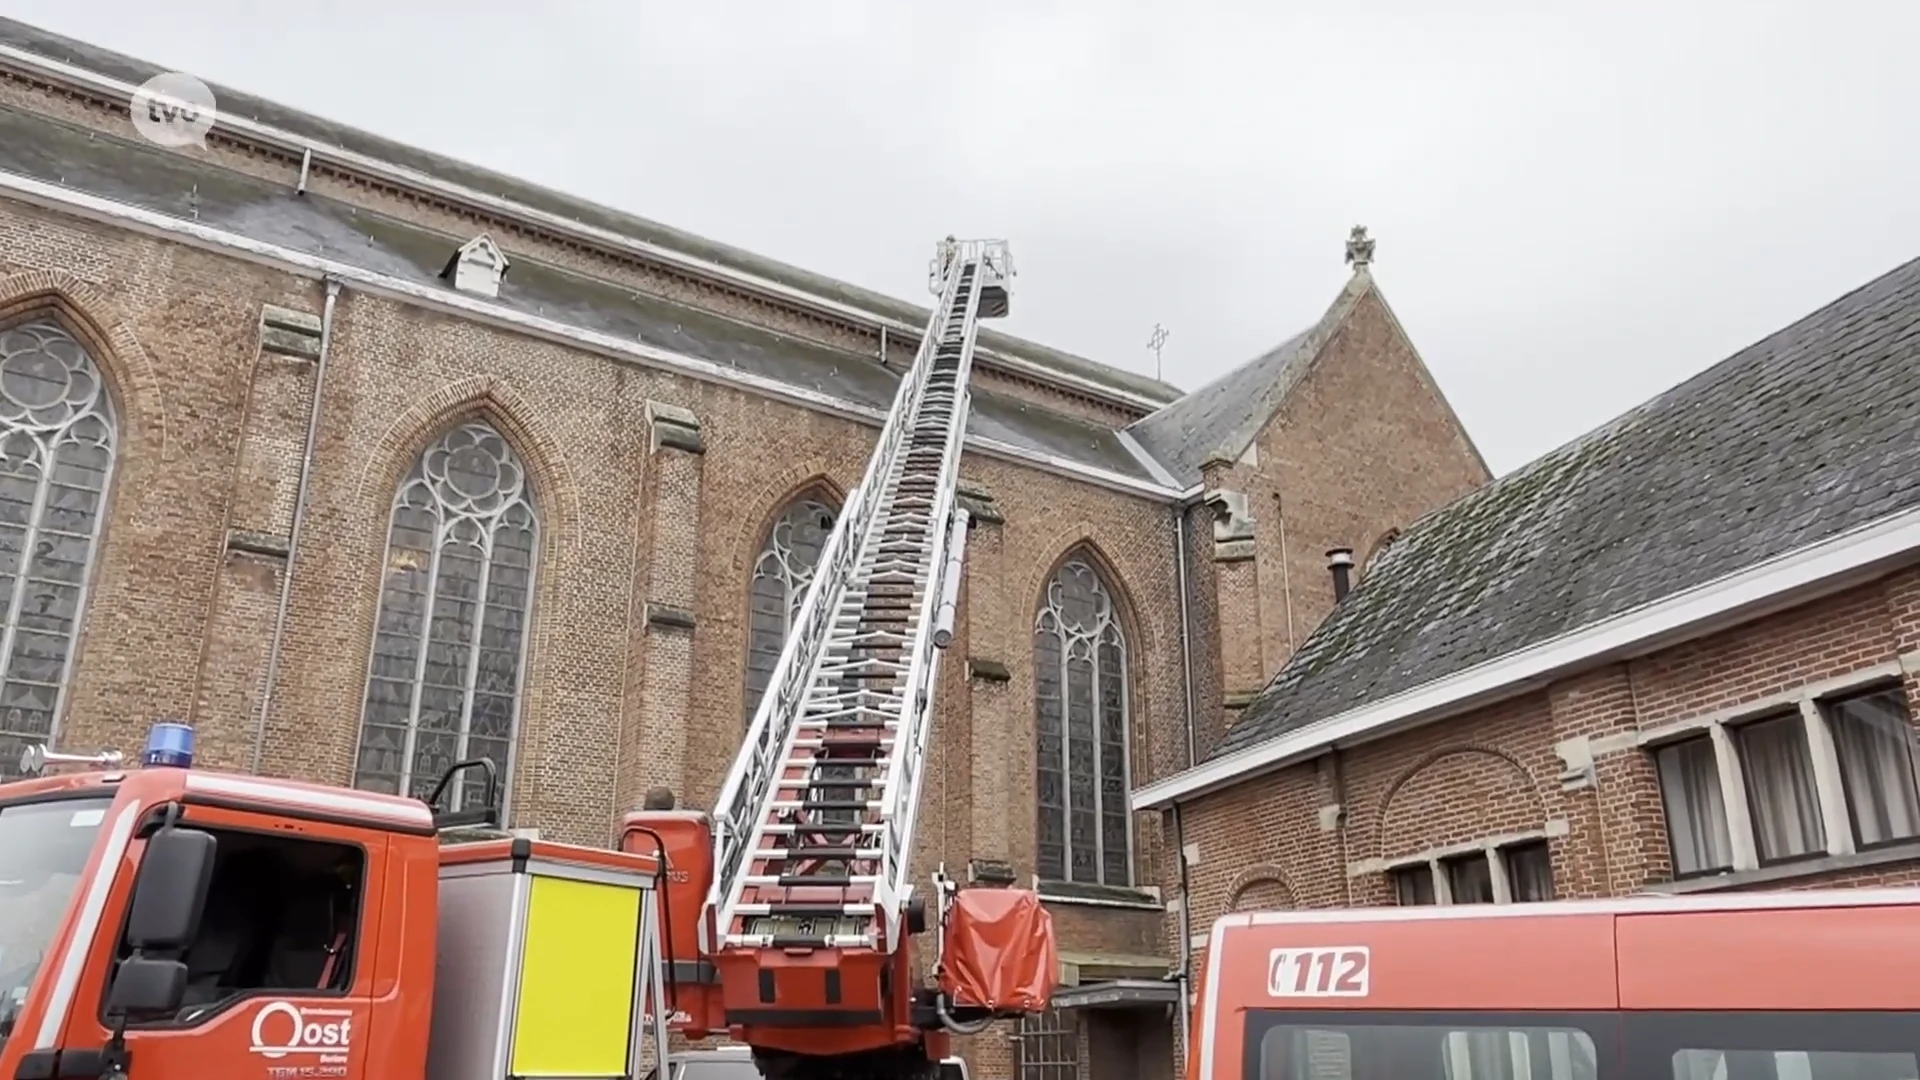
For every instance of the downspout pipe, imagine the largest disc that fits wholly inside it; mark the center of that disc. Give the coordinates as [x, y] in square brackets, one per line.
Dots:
[299, 519]
[1184, 980]
[1186, 625]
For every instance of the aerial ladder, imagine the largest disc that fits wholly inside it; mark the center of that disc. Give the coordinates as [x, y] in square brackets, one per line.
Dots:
[791, 908]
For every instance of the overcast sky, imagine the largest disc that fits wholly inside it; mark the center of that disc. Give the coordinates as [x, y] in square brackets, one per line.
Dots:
[1574, 210]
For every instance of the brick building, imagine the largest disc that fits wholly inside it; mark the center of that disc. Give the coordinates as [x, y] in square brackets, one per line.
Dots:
[1677, 654]
[361, 459]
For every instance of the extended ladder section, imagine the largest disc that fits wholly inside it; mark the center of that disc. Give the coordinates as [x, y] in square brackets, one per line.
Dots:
[813, 831]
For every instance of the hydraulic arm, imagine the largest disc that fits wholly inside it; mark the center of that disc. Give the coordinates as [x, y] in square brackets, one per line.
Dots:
[806, 924]
[820, 808]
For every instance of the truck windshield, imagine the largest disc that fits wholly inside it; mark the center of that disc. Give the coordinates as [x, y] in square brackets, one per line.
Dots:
[43, 850]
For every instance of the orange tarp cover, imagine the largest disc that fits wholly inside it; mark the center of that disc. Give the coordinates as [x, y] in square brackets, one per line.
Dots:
[1000, 953]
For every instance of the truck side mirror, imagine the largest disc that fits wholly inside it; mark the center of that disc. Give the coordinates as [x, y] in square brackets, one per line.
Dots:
[171, 892]
[144, 986]
[953, 1068]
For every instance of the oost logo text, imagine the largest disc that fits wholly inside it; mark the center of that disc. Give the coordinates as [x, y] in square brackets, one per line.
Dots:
[282, 1028]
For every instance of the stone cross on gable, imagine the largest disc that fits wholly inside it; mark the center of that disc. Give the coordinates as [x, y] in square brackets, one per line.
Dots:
[1359, 247]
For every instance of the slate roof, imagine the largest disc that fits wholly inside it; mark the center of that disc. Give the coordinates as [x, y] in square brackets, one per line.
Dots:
[130, 171]
[1803, 435]
[1220, 417]
[234, 102]
[1223, 417]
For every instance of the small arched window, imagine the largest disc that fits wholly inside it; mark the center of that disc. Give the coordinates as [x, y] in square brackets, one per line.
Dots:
[1263, 894]
[450, 637]
[57, 442]
[1082, 711]
[781, 573]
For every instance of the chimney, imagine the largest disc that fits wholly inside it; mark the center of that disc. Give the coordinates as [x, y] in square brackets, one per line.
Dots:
[1340, 561]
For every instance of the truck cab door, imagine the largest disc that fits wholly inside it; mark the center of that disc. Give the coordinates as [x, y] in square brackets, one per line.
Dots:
[281, 971]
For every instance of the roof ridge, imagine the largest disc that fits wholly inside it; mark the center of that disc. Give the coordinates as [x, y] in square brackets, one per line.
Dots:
[1215, 382]
[1758, 454]
[1225, 415]
[445, 168]
[68, 167]
[1611, 426]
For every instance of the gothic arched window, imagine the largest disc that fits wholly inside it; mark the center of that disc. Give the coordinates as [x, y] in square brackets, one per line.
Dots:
[1081, 706]
[781, 573]
[56, 455]
[449, 641]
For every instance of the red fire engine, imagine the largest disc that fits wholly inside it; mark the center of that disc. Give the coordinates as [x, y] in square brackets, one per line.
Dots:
[170, 923]
[791, 908]
[1742, 986]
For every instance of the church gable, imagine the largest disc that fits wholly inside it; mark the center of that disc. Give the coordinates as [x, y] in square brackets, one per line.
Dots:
[1321, 446]
[1224, 419]
[1366, 390]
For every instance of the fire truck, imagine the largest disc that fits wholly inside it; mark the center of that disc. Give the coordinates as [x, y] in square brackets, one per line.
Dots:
[791, 907]
[1812, 985]
[169, 923]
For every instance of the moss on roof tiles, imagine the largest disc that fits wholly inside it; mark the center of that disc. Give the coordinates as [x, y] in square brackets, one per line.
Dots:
[1808, 433]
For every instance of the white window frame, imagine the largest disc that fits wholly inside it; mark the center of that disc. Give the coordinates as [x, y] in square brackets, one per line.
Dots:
[1054, 1036]
[1835, 816]
[1435, 861]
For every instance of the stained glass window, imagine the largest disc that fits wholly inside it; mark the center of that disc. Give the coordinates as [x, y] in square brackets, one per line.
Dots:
[450, 637]
[57, 439]
[781, 573]
[1081, 709]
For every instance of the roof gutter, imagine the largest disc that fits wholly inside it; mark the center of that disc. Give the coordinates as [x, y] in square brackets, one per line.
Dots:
[195, 234]
[309, 153]
[1146, 460]
[1788, 580]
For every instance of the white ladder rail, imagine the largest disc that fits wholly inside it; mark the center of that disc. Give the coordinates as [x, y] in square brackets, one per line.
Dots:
[899, 541]
[907, 769]
[791, 671]
[769, 739]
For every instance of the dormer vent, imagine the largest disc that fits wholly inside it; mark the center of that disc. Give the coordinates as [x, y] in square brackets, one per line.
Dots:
[477, 267]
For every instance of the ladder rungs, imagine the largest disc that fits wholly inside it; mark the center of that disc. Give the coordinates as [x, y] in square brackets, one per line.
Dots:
[825, 881]
[854, 709]
[853, 783]
[800, 941]
[798, 854]
[804, 910]
[842, 829]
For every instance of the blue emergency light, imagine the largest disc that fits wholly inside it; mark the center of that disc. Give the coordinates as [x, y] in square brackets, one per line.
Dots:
[169, 746]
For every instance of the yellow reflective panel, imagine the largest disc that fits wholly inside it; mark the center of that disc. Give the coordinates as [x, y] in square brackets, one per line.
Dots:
[576, 979]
